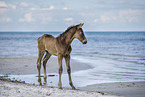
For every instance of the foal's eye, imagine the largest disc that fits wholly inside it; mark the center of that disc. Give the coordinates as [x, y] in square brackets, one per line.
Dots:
[80, 31]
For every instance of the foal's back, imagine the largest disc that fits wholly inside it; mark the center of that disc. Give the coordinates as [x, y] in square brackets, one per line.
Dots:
[47, 42]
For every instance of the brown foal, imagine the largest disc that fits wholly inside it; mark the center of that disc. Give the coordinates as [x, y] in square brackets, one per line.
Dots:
[59, 46]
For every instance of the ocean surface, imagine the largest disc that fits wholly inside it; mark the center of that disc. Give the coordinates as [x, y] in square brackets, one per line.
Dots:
[114, 56]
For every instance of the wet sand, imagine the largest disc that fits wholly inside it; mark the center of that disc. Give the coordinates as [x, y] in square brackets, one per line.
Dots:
[126, 89]
[20, 66]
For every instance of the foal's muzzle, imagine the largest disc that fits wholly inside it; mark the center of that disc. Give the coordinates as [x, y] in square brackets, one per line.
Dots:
[84, 41]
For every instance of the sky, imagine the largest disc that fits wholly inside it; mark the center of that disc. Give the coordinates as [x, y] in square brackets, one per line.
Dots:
[57, 15]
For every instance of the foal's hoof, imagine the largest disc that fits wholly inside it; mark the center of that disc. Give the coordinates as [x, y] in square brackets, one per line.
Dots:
[60, 88]
[73, 88]
[40, 84]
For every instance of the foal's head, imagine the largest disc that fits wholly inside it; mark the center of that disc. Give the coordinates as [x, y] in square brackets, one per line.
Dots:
[79, 34]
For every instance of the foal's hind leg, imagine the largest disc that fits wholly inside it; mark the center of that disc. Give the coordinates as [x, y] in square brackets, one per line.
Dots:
[41, 53]
[47, 56]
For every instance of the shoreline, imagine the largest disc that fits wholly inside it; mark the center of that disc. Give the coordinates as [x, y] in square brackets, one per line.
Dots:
[26, 69]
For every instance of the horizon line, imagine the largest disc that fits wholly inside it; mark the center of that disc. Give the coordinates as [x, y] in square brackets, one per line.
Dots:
[84, 31]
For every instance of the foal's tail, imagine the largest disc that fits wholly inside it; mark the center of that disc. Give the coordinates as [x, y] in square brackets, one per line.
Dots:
[41, 45]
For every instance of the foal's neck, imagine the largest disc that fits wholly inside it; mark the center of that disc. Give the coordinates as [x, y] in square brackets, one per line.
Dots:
[69, 36]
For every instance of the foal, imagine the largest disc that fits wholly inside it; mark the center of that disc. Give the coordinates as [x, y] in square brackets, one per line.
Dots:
[59, 46]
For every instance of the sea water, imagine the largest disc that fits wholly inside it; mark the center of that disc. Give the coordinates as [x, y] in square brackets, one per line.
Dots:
[114, 56]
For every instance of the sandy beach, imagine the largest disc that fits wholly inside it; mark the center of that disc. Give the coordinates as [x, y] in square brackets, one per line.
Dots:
[20, 66]
[9, 89]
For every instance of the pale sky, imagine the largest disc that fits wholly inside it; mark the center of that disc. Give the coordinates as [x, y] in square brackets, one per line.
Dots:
[57, 15]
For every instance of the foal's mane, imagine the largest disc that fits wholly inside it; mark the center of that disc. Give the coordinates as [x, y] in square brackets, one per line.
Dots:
[70, 27]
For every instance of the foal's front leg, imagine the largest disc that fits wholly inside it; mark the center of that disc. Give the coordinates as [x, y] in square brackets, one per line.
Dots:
[60, 70]
[67, 60]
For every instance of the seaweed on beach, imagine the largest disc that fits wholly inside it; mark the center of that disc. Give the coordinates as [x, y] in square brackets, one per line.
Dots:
[52, 75]
[5, 78]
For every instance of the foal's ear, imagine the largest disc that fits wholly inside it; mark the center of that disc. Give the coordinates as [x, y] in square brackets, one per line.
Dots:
[80, 25]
